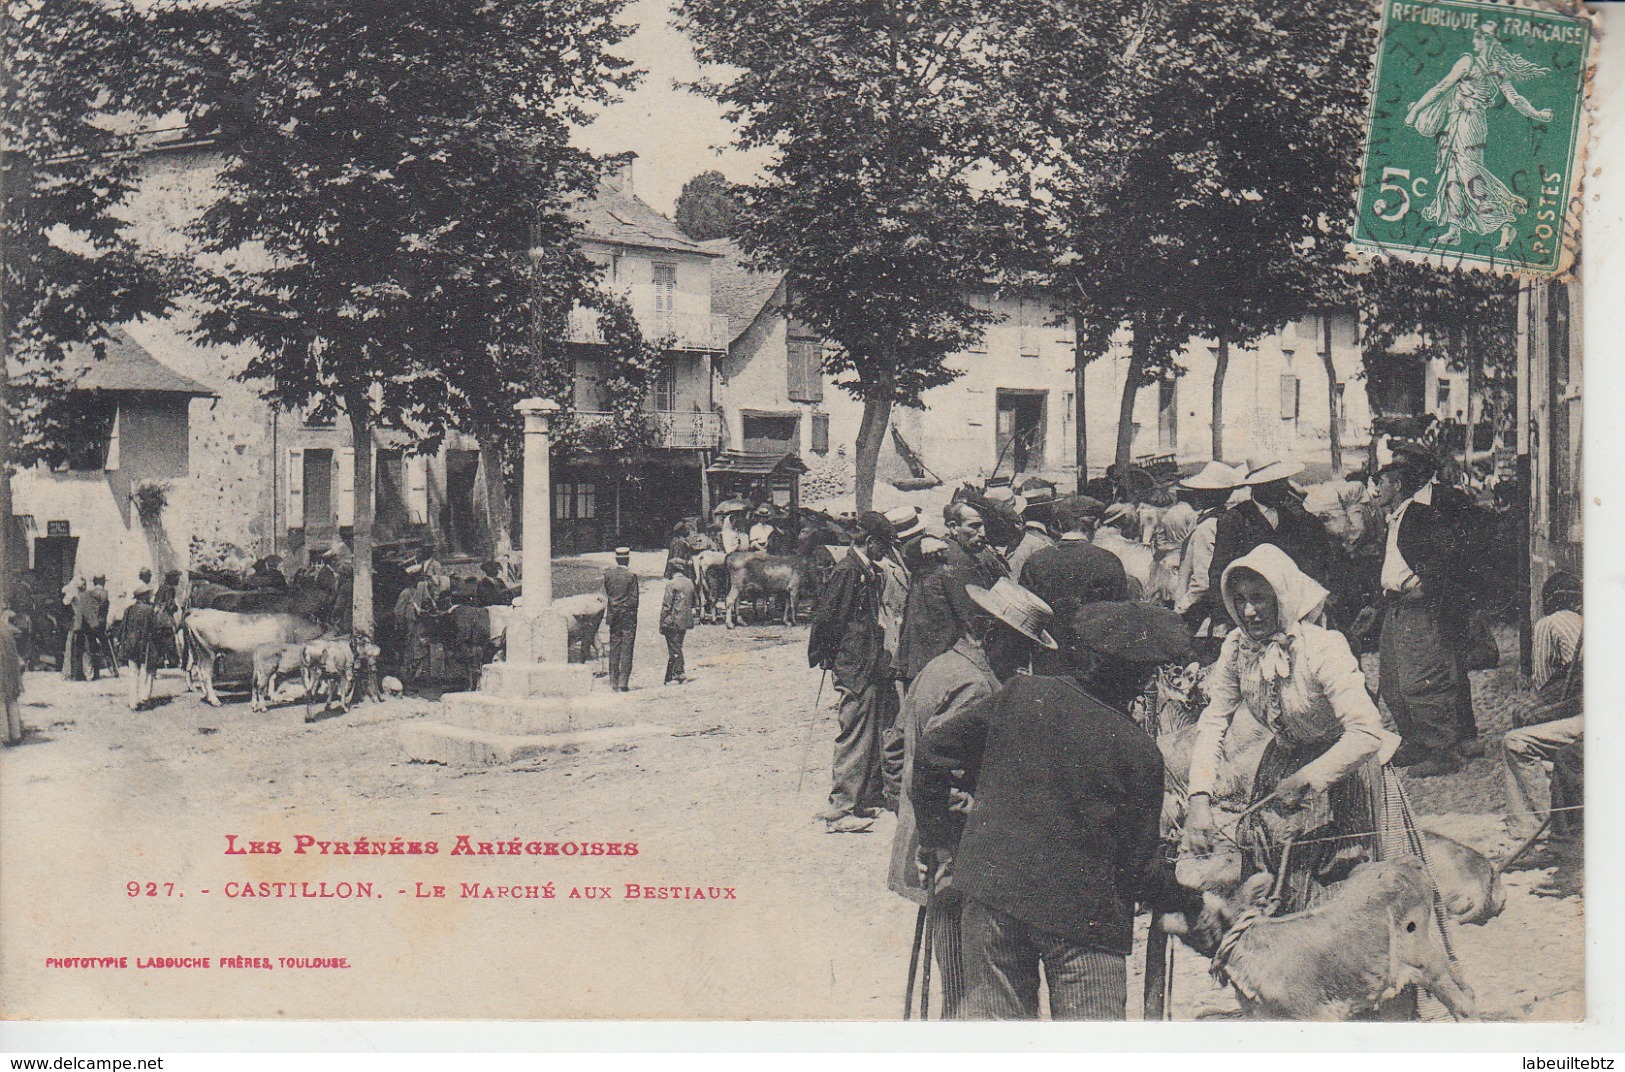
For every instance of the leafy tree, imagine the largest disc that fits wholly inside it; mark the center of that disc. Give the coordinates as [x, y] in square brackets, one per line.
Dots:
[707, 208]
[1190, 166]
[69, 273]
[395, 163]
[880, 115]
[1468, 318]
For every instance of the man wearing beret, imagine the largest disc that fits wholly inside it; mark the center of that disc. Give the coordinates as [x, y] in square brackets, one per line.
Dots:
[1062, 839]
[848, 640]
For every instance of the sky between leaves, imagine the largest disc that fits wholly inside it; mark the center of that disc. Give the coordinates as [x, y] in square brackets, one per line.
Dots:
[674, 132]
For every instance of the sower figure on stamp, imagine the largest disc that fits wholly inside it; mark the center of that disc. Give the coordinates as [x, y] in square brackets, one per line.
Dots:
[996, 647]
[621, 590]
[1063, 839]
[847, 639]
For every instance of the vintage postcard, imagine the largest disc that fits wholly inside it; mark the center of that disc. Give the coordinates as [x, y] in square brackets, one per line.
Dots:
[681, 510]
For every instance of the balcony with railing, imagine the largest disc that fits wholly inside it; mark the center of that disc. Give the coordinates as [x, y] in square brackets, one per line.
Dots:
[668, 429]
[687, 331]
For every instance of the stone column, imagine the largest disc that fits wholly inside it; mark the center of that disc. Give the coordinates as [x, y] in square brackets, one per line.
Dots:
[535, 634]
[536, 562]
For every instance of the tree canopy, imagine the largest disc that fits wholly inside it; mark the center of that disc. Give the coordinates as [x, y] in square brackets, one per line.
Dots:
[391, 165]
[708, 207]
[881, 116]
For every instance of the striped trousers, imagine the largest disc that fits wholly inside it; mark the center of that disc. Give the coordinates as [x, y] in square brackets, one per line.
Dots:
[1002, 959]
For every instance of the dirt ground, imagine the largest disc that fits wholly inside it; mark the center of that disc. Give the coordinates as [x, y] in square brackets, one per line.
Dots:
[717, 787]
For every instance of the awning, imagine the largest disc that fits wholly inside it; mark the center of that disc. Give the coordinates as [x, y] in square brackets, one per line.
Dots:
[756, 463]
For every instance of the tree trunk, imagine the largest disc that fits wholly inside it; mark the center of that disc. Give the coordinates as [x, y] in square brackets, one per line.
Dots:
[6, 565]
[360, 410]
[1473, 388]
[1221, 366]
[1334, 430]
[1080, 412]
[871, 436]
[498, 518]
[1138, 357]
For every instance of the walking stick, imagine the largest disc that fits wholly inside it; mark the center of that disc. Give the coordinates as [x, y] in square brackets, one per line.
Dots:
[1528, 843]
[801, 771]
[1156, 970]
[914, 962]
[925, 973]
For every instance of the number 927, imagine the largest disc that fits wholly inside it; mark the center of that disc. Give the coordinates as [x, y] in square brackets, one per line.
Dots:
[149, 889]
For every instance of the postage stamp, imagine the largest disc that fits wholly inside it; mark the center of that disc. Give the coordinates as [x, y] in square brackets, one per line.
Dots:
[1475, 135]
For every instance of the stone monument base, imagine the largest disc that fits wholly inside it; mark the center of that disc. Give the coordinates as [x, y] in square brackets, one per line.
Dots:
[521, 709]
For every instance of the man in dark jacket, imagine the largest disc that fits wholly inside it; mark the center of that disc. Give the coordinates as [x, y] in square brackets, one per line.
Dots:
[1424, 678]
[1072, 573]
[940, 612]
[621, 590]
[1274, 514]
[847, 639]
[1063, 838]
[676, 619]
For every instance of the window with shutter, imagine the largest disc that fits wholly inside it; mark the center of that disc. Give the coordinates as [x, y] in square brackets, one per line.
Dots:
[1029, 319]
[820, 433]
[417, 489]
[112, 461]
[1289, 398]
[805, 361]
[665, 276]
[347, 486]
[296, 488]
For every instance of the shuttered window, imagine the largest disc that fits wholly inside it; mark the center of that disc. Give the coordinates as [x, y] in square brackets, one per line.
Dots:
[417, 489]
[665, 277]
[805, 360]
[296, 488]
[820, 433]
[347, 486]
[1289, 398]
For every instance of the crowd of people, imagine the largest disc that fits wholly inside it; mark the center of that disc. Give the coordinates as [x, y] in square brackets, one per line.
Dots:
[986, 690]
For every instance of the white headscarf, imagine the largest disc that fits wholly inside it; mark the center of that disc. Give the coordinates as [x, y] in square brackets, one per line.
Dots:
[1299, 598]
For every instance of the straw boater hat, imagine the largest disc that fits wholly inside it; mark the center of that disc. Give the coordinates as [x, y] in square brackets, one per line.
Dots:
[1016, 607]
[905, 520]
[1269, 472]
[623, 552]
[1214, 476]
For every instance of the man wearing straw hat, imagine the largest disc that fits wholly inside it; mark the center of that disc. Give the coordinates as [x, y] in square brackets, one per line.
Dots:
[1206, 492]
[1063, 837]
[991, 652]
[1273, 513]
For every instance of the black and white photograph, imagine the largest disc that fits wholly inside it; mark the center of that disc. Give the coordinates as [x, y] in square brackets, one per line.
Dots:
[795, 510]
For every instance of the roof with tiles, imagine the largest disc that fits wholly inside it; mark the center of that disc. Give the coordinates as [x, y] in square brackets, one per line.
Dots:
[738, 292]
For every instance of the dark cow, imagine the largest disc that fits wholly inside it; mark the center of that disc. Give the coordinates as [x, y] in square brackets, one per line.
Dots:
[1338, 960]
[772, 575]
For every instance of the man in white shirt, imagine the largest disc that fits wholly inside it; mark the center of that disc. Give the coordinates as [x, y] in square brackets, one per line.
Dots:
[1423, 679]
[1530, 751]
[762, 531]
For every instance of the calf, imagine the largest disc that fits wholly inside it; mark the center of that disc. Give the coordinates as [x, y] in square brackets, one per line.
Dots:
[329, 665]
[758, 571]
[710, 580]
[1336, 961]
[272, 663]
[1469, 885]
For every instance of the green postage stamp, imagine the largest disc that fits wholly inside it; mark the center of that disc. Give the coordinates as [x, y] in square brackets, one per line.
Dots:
[1475, 136]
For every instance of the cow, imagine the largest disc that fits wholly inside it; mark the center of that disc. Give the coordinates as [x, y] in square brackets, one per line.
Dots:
[1338, 960]
[328, 664]
[758, 571]
[210, 633]
[272, 663]
[583, 615]
[301, 601]
[711, 579]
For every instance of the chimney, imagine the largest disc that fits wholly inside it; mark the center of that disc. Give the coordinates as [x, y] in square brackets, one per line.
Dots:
[617, 176]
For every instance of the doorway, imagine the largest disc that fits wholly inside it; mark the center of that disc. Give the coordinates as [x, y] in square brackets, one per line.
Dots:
[54, 561]
[1019, 431]
[458, 521]
[318, 491]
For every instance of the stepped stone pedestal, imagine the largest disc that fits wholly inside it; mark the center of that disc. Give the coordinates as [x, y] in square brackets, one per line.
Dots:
[536, 701]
